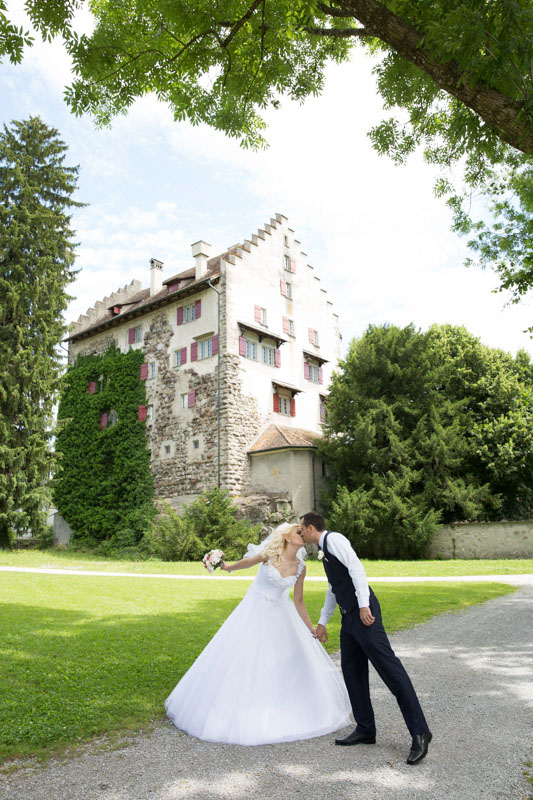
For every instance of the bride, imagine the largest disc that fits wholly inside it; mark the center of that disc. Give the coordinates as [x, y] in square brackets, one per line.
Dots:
[263, 677]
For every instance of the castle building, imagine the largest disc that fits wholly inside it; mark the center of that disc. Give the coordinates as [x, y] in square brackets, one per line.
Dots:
[239, 351]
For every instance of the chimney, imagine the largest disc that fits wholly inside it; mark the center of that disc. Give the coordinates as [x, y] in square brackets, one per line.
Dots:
[156, 276]
[200, 251]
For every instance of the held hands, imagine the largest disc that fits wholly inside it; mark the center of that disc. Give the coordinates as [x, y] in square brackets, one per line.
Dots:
[313, 631]
[367, 618]
[321, 633]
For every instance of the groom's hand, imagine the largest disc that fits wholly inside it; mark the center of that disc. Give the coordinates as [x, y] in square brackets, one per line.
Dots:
[321, 633]
[367, 618]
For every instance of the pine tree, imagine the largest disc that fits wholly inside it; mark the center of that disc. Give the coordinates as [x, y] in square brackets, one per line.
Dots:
[36, 265]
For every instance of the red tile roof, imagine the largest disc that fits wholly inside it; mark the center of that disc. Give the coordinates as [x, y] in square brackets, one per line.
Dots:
[277, 437]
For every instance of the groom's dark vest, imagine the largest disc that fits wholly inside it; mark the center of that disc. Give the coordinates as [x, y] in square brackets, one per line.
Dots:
[340, 579]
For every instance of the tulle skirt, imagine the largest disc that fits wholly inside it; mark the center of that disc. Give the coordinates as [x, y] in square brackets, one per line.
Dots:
[261, 679]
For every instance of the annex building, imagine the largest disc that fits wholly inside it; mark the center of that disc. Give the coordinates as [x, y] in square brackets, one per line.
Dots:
[239, 350]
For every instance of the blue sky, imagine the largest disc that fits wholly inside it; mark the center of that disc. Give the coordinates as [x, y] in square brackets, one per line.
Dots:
[378, 239]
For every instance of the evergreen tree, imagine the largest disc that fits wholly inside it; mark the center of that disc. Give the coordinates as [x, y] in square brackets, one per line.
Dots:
[36, 265]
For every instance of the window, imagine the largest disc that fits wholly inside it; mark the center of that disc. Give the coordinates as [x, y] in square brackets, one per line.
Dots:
[288, 326]
[151, 370]
[286, 241]
[289, 291]
[284, 404]
[248, 348]
[260, 315]
[287, 262]
[312, 373]
[149, 413]
[268, 355]
[313, 336]
[205, 348]
[184, 403]
[322, 409]
[180, 356]
[138, 333]
[196, 444]
[112, 419]
[291, 328]
[167, 449]
[189, 314]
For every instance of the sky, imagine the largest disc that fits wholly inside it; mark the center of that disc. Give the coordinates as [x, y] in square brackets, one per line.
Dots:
[379, 240]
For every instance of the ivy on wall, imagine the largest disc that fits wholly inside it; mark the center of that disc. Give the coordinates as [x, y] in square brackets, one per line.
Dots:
[104, 488]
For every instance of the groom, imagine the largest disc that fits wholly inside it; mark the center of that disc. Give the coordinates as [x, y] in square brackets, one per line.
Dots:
[363, 639]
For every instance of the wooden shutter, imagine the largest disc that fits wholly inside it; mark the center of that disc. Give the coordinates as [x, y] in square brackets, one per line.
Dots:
[171, 287]
[116, 310]
[103, 422]
[183, 356]
[293, 407]
[257, 313]
[311, 334]
[191, 399]
[194, 351]
[198, 309]
[92, 387]
[214, 344]
[322, 411]
[306, 370]
[283, 287]
[242, 346]
[179, 320]
[131, 336]
[276, 403]
[277, 358]
[144, 372]
[286, 326]
[293, 265]
[320, 376]
[141, 416]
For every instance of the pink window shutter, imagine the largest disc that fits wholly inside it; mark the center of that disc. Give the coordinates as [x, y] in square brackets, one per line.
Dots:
[311, 335]
[320, 376]
[131, 335]
[179, 320]
[286, 326]
[214, 344]
[191, 399]
[277, 358]
[194, 351]
[306, 370]
[198, 309]
[293, 265]
[144, 372]
[257, 313]
[92, 387]
[322, 412]
[283, 287]
[293, 407]
[103, 422]
[141, 416]
[242, 346]
[276, 403]
[183, 356]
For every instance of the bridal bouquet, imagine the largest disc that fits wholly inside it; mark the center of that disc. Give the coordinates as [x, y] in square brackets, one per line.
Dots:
[212, 560]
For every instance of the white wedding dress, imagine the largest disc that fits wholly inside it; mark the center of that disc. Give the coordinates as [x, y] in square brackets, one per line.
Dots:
[262, 678]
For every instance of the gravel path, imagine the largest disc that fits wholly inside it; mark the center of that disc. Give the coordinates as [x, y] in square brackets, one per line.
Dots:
[473, 672]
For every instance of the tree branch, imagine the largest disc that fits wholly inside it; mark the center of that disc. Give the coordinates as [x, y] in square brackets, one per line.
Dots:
[340, 33]
[238, 25]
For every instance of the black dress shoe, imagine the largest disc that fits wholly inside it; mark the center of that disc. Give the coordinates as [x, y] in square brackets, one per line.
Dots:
[419, 747]
[357, 738]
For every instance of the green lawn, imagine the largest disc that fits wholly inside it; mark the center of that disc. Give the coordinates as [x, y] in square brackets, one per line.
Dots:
[82, 656]
[65, 559]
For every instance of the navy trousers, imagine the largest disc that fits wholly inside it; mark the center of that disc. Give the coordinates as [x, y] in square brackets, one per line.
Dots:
[361, 644]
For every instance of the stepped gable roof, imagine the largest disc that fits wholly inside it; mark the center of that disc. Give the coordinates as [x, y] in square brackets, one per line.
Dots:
[278, 437]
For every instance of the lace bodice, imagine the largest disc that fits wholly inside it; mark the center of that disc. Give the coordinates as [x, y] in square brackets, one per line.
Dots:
[271, 585]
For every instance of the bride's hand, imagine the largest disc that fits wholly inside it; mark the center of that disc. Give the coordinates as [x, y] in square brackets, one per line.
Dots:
[313, 631]
[225, 567]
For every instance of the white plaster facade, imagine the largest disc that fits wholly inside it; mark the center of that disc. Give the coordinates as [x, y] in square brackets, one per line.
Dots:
[230, 433]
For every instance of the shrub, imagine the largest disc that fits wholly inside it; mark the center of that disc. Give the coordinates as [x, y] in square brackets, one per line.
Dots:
[171, 540]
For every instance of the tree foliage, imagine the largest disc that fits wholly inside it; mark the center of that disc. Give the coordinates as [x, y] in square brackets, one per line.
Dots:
[36, 265]
[105, 487]
[457, 75]
[422, 429]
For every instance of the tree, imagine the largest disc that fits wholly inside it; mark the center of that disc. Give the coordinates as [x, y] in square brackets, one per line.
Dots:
[36, 265]
[461, 71]
[426, 428]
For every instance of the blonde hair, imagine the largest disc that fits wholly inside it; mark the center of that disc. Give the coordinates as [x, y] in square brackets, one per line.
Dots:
[277, 541]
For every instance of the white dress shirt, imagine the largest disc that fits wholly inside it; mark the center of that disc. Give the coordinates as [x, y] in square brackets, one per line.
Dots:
[340, 547]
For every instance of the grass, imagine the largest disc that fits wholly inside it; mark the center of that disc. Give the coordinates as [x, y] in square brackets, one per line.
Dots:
[67, 559]
[87, 656]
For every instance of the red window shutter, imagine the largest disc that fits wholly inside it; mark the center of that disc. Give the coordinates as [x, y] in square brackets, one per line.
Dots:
[198, 309]
[320, 376]
[144, 372]
[276, 403]
[141, 416]
[286, 326]
[311, 333]
[191, 399]
[116, 309]
[183, 356]
[92, 387]
[214, 344]
[306, 370]
[293, 407]
[103, 422]
[277, 358]
[242, 346]
[179, 320]
[293, 265]
[131, 336]
[171, 287]
[194, 351]
[283, 287]
[257, 313]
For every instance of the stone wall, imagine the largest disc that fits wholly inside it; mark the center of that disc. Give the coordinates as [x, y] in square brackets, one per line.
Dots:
[268, 509]
[483, 540]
